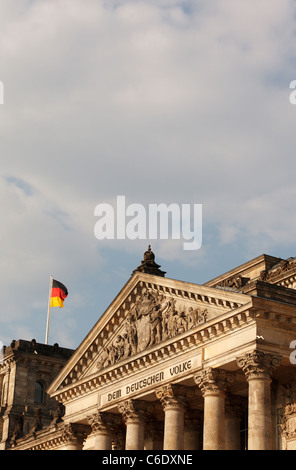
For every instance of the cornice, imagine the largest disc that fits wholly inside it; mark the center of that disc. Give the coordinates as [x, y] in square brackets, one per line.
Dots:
[244, 268]
[53, 437]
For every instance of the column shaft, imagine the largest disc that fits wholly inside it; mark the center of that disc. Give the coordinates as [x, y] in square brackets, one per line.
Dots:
[232, 433]
[173, 429]
[103, 441]
[192, 430]
[234, 412]
[103, 427]
[174, 400]
[259, 420]
[135, 414]
[135, 435]
[214, 422]
[213, 384]
[258, 367]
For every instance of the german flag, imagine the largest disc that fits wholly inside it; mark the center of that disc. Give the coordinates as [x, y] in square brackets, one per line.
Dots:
[58, 294]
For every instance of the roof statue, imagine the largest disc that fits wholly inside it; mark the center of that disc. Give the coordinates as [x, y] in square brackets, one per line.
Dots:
[148, 264]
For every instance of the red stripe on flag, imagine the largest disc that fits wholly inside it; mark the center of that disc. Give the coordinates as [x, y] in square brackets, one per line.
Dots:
[57, 292]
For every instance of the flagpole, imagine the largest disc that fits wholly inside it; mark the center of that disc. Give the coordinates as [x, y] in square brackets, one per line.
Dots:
[48, 309]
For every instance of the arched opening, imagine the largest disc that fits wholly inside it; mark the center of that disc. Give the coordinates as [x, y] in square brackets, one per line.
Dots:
[39, 394]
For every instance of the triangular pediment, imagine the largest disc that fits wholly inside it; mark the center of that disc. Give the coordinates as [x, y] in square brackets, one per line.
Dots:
[149, 311]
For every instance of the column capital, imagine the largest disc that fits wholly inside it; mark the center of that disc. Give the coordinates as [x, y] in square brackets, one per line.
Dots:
[103, 422]
[174, 396]
[74, 433]
[135, 410]
[258, 364]
[213, 381]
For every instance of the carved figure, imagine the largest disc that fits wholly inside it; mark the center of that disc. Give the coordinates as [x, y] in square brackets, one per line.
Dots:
[181, 323]
[153, 319]
[131, 333]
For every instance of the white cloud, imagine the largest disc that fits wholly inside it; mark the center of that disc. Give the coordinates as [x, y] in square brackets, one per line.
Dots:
[161, 101]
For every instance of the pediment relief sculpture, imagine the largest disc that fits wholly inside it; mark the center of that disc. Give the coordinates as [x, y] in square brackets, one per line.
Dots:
[235, 282]
[152, 319]
[284, 267]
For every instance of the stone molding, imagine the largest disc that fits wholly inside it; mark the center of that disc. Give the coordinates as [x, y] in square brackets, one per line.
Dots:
[214, 381]
[55, 437]
[258, 364]
[174, 396]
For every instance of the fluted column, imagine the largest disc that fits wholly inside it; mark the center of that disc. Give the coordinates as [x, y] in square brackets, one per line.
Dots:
[174, 400]
[258, 367]
[213, 384]
[102, 426]
[135, 414]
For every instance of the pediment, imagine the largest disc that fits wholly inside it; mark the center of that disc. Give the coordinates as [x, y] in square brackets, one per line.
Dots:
[148, 312]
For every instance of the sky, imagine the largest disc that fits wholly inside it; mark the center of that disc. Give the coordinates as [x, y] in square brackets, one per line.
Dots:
[159, 101]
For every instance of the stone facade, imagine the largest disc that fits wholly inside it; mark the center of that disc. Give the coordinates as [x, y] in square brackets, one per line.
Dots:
[172, 365]
[26, 372]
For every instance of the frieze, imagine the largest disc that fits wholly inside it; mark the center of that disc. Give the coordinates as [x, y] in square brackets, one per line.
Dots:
[150, 381]
[154, 318]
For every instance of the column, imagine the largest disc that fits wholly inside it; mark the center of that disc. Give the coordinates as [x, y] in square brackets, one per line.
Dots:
[174, 401]
[234, 411]
[135, 414]
[192, 430]
[154, 435]
[102, 427]
[258, 367]
[213, 384]
[73, 435]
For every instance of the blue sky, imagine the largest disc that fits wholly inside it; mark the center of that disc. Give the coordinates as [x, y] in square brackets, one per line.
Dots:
[161, 101]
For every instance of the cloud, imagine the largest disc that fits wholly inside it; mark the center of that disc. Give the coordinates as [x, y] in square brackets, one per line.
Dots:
[160, 101]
